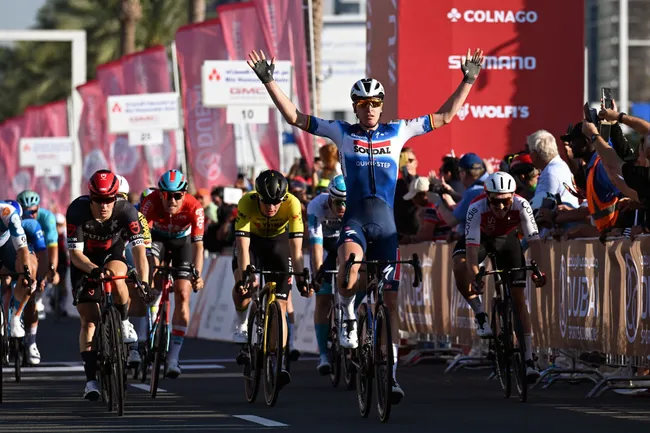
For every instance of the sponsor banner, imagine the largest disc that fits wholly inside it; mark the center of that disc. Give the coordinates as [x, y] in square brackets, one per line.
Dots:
[509, 100]
[35, 152]
[153, 111]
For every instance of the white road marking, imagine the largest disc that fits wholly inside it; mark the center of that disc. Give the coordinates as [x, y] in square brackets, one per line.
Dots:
[144, 387]
[259, 420]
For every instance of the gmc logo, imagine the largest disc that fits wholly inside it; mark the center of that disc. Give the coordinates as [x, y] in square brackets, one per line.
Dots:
[247, 91]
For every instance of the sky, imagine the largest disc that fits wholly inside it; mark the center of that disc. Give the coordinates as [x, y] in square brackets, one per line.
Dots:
[18, 14]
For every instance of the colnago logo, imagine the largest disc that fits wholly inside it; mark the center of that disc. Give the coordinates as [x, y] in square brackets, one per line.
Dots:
[493, 16]
[378, 147]
[513, 63]
[493, 112]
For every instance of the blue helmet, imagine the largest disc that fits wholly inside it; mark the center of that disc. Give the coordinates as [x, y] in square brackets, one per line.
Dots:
[172, 181]
[29, 198]
[15, 204]
[336, 187]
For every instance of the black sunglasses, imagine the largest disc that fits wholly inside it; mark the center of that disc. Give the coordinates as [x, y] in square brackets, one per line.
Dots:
[504, 201]
[168, 195]
[104, 200]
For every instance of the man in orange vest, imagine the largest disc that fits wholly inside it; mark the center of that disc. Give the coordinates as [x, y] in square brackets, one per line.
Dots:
[602, 195]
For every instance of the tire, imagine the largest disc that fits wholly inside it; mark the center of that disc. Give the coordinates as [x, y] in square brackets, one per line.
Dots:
[273, 353]
[349, 371]
[501, 356]
[252, 382]
[3, 335]
[383, 363]
[18, 358]
[519, 354]
[364, 357]
[103, 358]
[159, 349]
[333, 352]
[117, 359]
[147, 353]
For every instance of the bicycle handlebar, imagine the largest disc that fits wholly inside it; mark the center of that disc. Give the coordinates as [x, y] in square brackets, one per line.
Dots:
[532, 267]
[26, 275]
[131, 275]
[415, 262]
[250, 269]
[169, 269]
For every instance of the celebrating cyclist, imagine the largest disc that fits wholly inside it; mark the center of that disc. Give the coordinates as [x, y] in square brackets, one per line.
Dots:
[98, 224]
[176, 220]
[324, 219]
[492, 226]
[369, 153]
[269, 231]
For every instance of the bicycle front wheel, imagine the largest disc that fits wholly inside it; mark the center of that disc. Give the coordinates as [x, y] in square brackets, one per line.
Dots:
[333, 352]
[117, 360]
[253, 371]
[383, 362]
[3, 336]
[519, 354]
[364, 357]
[273, 352]
[159, 349]
[18, 358]
[501, 354]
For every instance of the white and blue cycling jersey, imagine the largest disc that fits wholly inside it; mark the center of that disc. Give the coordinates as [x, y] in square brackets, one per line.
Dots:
[370, 160]
[34, 233]
[11, 227]
[47, 220]
[324, 226]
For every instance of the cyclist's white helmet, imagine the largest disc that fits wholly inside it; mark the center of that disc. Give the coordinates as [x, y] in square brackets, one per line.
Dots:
[500, 182]
[367, 88]
[124, 185]
[337, 188]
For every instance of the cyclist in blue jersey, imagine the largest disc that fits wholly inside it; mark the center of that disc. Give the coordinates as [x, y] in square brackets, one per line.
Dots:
[30, 202]
[14, 256]
[369, 153]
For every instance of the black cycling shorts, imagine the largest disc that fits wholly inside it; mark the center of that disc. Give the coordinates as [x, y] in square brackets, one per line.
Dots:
[91, 293]
[271, 254]
[178, 250]
[507, 250]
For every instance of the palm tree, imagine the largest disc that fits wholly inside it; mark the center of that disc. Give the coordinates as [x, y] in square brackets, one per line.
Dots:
[196, 11]
[130, 15]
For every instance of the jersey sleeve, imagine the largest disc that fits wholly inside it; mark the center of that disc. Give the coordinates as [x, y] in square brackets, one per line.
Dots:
[410, 128]
[11, 219]
[528, 224]
[147, 207]
[473, 225]
[296, 226]
[131, 225]
[198, 222]
[146, 233]
[35, 235]
[243, 222]
[48, 226]
[74, 228]
[332, 129]
[314, 223]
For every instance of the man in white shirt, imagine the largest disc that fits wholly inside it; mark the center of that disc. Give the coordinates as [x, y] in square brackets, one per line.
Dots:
[555, 177]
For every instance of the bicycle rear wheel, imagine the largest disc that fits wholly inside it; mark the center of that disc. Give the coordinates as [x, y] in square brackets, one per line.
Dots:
[501, 354]
[519, 354]
[254, 369]
[117, 360]
[383, 362]
[159, 350]
[333, 352]
[348, 369]
[273, 353]
[364, 357]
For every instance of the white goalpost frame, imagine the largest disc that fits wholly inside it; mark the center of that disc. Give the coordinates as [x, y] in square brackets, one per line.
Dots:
[77, 38]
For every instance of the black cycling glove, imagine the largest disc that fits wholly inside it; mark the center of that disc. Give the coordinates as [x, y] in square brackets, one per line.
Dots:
[471, 68]
[264, 70]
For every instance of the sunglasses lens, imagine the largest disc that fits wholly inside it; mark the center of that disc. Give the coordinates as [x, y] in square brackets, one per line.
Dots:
[103, 200]
[339, 203]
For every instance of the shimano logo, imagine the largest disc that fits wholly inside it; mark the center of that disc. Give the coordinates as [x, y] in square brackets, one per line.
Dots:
[494, 16]
[510, 63]
[493, 112]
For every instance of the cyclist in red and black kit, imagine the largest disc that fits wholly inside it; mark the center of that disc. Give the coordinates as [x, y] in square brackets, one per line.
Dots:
[97, 226]
[176, 221]
[492, 225]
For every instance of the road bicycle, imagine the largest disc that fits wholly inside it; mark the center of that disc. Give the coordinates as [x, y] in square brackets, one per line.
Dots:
[374, 355]
[508, 354]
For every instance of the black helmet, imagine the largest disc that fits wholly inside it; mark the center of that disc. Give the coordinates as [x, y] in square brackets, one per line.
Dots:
[271, 186]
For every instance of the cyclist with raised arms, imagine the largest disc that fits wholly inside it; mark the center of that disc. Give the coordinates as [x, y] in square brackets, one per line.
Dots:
[369, 153]
[324, 220]
[493, 222]
[98, 225]
[176, 220]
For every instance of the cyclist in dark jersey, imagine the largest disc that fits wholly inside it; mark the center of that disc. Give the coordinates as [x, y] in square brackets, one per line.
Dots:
[97, 227]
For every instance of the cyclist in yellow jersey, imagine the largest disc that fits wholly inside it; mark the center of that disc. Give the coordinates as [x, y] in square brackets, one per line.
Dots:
[137, 308]
[268, 234]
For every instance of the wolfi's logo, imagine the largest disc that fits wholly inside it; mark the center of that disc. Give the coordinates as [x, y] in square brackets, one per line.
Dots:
[463, 112]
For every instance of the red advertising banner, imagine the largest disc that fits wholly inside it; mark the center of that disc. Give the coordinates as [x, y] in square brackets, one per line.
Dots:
[521, 88]
[148, 72]
[284, 27]
[210, 140]
[15, 178]
[92, 130]
[50, 120]
[242, 31]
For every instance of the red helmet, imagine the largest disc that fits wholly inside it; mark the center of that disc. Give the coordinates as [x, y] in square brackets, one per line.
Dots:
[103, 183]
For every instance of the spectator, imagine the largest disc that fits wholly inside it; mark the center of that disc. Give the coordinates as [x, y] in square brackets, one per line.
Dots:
[209, 208]
[522, 169]
[243, 183]
[405, 210]
[217, 199]
[330, 165]
[431, 225]
[450, 174]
